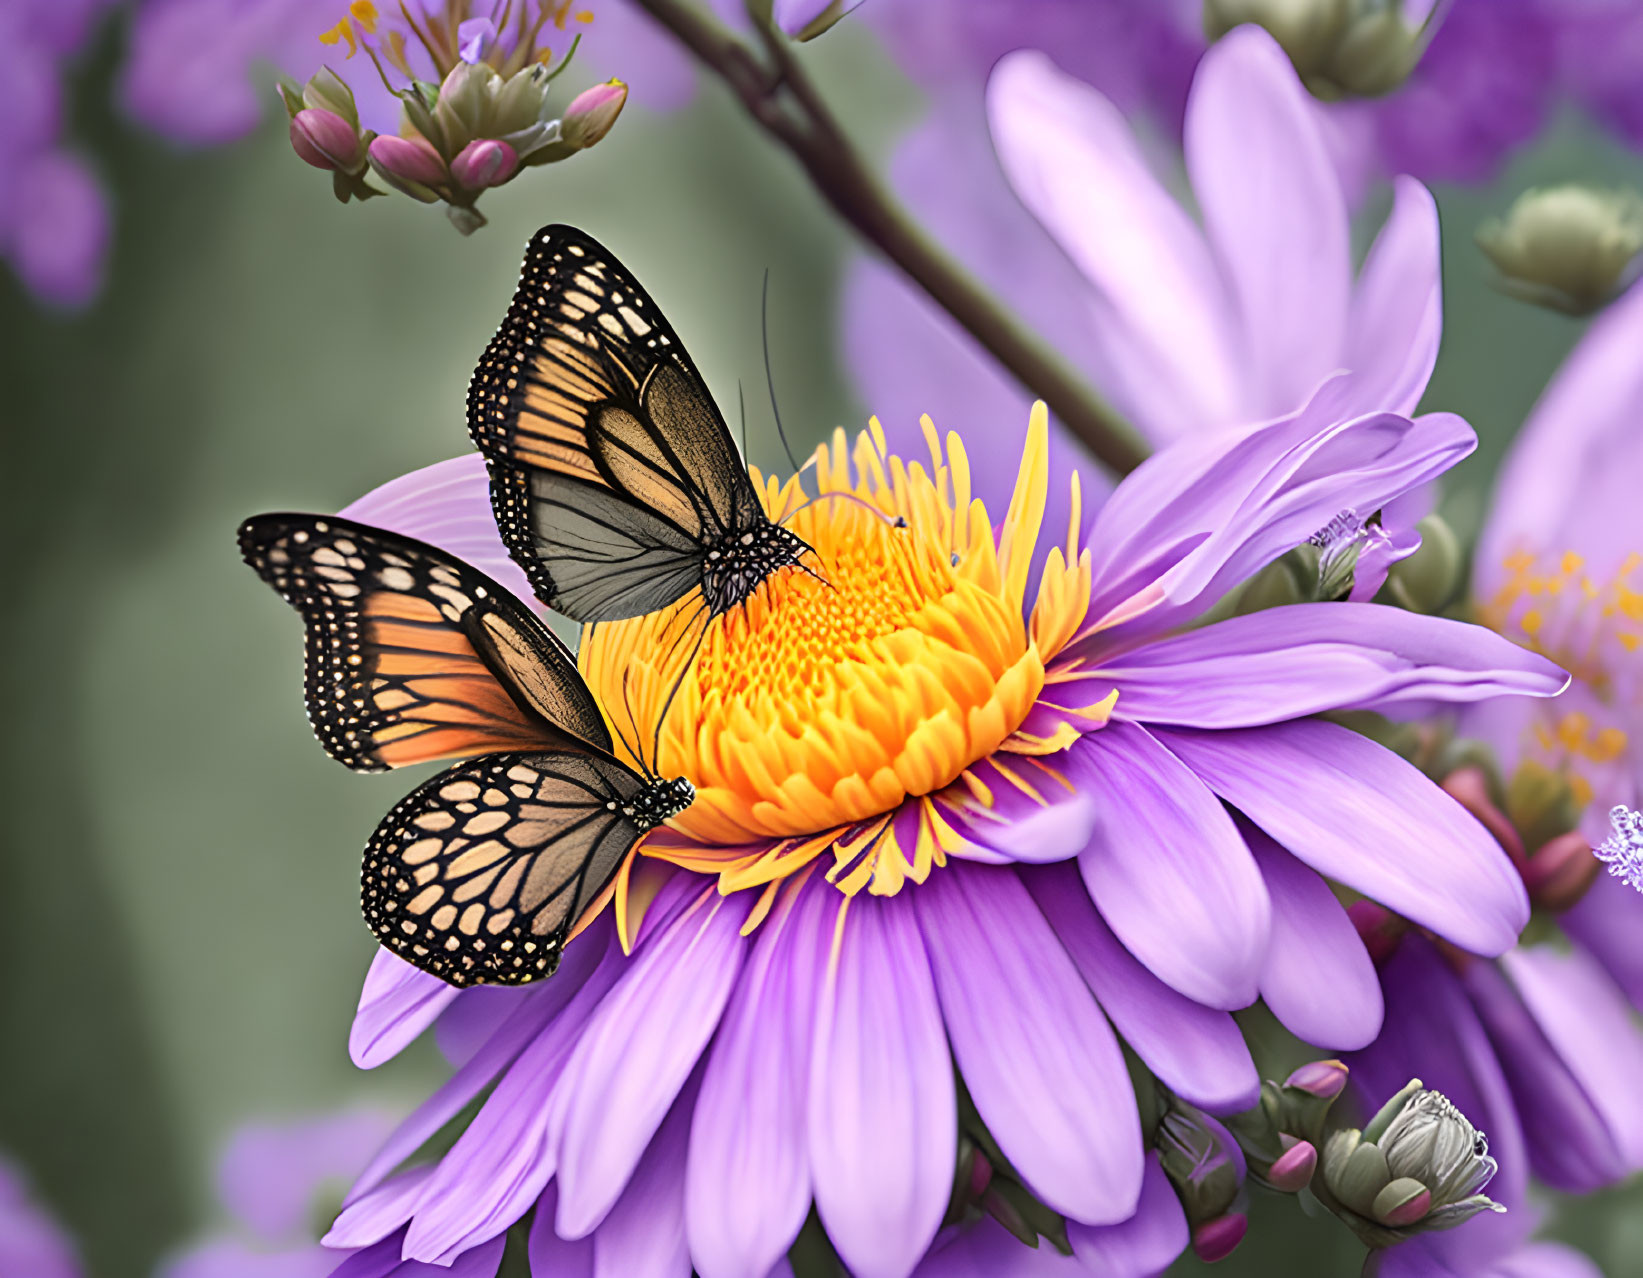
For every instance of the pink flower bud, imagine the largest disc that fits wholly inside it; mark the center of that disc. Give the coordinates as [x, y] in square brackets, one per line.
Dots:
[1559, 874]
[409, 164]
[1293, 1170]
[1470, 788]
[1323, 1079]
[325, 140]
[484, 162]
[1378, 927]
[1219, 1238]
[592, 112]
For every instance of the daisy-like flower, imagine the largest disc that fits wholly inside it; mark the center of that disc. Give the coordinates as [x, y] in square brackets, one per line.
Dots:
[942, 821]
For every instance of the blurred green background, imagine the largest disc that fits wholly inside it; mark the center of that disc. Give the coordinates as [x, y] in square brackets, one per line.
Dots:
[182, 946]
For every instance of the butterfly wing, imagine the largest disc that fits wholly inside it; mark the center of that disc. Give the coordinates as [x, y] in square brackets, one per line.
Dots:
[586, 380]
[479, 875]
[413, 655]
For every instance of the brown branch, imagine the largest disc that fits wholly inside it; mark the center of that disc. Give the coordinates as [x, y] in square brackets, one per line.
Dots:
[781, 97]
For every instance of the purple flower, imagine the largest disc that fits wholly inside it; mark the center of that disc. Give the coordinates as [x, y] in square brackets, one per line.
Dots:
[271, 1179]
[1188, 328]
[53, 217]
[772, 1017]
[31, 1242]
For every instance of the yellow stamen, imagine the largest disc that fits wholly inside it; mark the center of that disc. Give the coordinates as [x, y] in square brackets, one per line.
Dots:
[811, 714]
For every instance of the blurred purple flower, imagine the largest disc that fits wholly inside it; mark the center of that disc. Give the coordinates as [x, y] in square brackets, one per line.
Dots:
[272, 1179]
[690, 1102]
[31, 1242]
[1559, 568]
[1187, 329]
[54, 223]
[1489, 1046]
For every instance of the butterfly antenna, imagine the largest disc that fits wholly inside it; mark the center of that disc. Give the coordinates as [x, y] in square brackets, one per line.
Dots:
[895, 521]
[769, 379]
[633, 722]
[661, 719]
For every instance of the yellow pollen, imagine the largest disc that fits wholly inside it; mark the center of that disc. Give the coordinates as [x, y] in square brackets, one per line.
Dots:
[362, 12]
[897, 658]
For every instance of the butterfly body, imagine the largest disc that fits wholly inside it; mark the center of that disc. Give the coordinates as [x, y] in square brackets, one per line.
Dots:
[480, 875]
[614, 480]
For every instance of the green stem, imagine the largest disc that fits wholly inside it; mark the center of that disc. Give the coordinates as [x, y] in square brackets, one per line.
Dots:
[781, 97]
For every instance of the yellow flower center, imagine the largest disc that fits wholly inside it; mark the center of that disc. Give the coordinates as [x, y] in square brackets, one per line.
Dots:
[895, 659]
[1593, 628]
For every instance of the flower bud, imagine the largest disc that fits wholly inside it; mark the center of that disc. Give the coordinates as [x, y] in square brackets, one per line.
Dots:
[592, 113]
[326, 91]
[1340, 48]
[1201, 1159]
[1430, 578]
[1378, 928]
[807, 19]
[1292, 1172]
[325, 140]
[1418, 1165]
[409, 165]
[522, 101]
[1541, 803]
[1323, 1079]
[1571, 248]
[1560, 873]
[466, 98]
[1469, 786]
[1217, 1239]
[1288, 579]
[484, 163]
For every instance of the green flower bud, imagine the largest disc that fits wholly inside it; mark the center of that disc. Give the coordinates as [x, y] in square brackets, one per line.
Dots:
[325, 91]
[1289, 579]
[1340, 48]
[1570, 248]
[1202, 1161]
[1541, 804]
[522, 101]
[466, 97]
[1418, 1165]
[1431, 577]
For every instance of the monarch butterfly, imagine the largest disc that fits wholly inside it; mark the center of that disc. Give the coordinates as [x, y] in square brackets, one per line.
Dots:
[480, 874]
[614, 480]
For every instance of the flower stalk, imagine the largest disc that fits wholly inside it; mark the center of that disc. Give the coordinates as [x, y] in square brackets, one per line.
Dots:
[779, 95]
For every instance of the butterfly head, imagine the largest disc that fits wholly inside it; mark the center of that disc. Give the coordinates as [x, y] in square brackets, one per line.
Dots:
[734, 565]
[660, 801]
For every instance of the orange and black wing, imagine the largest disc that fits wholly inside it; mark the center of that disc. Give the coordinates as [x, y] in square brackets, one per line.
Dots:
[414, 655]
[479, 875]
[586, 399]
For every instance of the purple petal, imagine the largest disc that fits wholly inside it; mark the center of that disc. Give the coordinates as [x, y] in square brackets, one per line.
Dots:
[1035, 1052]
[59, 232]
[382, 1261]
[1142, 1246]
[474, 39]
[373, 1215]
[1589, 1023]
[1286, 663]
[1196, 518]
[396, 1004]
[595, 954]
[551, 1255]
[1019, 827]
[1568, 481]
[1545, 1260]
[645, 1231]
[1607, 922]
[447, 505]
[1360, 815]
[882, 1128]
[469, 1022]
[31, 1242]
[637, 1051]
[505, 1156]
[1318, 979]
[1199, 1053]
[1571, 1144]
[1396, 318]
[1073, 160]
[218, 1258]
[1168, 871]
[748, 1177]
[1274, 211]
[271, 1172]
